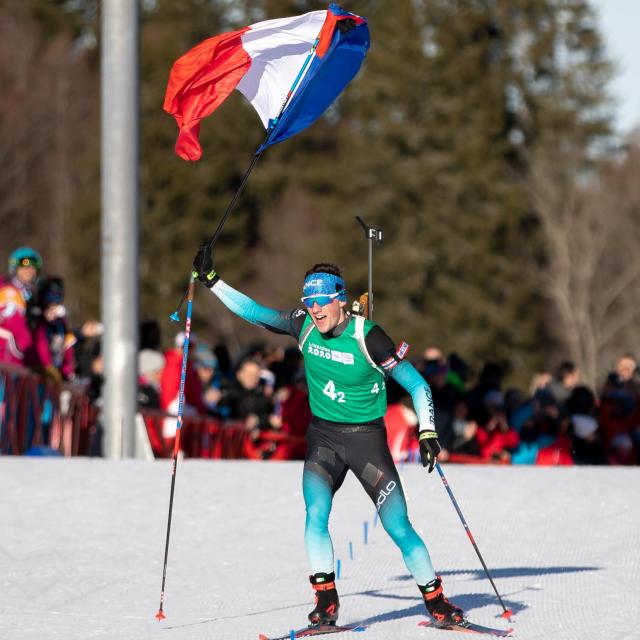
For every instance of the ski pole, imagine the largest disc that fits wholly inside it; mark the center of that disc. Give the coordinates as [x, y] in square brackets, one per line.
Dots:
[507, 612]
[176, 446]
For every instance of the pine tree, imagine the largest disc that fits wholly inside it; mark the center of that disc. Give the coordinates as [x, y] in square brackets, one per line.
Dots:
[434, 141]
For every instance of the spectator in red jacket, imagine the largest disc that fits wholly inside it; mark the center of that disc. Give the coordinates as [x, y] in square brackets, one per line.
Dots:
[150, 366]
[292, 405]
[170, 385]
[402, 425]
[495, 437]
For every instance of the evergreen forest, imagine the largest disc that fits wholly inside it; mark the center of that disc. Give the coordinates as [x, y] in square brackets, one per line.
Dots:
[479, 136]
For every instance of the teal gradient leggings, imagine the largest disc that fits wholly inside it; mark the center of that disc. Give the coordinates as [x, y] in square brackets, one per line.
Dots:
[333, 449]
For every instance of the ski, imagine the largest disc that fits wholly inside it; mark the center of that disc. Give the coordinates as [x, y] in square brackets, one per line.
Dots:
[314, 630]
[468, 627]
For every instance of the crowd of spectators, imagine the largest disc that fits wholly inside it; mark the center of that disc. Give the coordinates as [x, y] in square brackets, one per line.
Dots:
[558, 420]
[264, 389]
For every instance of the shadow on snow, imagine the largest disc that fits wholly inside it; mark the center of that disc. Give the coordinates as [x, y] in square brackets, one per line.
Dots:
[506, 572]
[469, 602]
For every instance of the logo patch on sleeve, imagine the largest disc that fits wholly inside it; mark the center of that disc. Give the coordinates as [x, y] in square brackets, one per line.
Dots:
[402, 351]
[394, 360]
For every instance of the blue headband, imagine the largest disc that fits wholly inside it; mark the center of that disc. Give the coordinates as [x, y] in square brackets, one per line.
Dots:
[324, 284]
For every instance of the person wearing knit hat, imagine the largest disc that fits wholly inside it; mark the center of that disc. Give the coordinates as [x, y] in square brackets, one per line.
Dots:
[16, 290]
[150, 366]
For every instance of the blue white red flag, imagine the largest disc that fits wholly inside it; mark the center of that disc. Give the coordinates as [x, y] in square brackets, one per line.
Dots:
[303, 62]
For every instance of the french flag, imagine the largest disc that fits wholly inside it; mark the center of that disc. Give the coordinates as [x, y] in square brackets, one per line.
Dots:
[303, 62]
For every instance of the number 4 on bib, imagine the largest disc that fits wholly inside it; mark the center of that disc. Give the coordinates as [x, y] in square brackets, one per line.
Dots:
[330, 390]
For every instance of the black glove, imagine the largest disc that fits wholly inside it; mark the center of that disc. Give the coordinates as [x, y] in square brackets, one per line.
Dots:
[429, 448]
[203, 267]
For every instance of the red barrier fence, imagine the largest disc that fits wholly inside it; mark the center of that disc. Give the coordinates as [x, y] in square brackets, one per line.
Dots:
[36, 413]
[206, 437]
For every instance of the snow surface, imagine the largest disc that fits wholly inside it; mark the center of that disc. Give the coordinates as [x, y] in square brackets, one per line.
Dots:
[82, 544]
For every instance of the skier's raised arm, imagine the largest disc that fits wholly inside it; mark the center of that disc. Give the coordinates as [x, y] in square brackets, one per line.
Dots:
[278, 321]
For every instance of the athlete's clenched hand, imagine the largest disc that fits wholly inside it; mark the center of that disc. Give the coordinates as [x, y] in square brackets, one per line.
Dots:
[203, 266]
[429, 448]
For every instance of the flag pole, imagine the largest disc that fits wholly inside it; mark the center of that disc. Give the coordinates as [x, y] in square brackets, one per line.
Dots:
[175, 316]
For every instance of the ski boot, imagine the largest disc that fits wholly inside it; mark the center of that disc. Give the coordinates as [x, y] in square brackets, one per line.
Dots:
[327, 603]
[439, 608]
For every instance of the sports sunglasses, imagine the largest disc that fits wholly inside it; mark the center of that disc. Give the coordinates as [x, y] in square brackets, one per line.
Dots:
[321, 298]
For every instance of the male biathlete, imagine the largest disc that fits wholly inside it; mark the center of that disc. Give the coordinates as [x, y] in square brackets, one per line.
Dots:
[347, 359]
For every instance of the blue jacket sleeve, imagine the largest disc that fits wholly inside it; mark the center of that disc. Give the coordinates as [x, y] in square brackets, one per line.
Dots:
[406, 375]
[243, 306]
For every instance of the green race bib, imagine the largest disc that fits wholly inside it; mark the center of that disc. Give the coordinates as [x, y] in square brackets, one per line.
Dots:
[343, 385]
